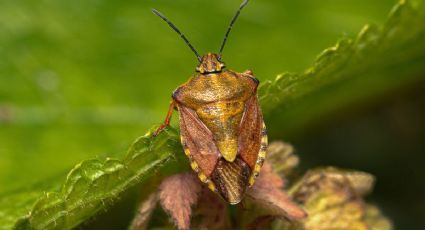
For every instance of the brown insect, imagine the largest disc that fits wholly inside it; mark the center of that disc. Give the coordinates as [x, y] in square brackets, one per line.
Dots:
[221, 125]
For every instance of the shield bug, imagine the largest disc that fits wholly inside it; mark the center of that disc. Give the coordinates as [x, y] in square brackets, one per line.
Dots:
[221, 125]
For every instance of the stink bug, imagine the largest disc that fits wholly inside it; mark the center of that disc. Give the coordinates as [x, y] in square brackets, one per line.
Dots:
[221, 125]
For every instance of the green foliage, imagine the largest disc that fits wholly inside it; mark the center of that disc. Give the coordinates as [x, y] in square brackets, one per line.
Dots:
[377, 62]
[81, 79]
[355, 71]
[93, 184]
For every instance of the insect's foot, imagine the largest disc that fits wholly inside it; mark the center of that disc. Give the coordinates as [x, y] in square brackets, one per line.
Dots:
[158, 131]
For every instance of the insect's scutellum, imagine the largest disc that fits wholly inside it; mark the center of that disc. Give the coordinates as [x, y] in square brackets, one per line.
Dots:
[221, 125]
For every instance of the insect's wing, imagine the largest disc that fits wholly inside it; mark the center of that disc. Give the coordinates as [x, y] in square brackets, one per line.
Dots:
[198, 143]
[229, 179]
[252, 143]
[232, 178]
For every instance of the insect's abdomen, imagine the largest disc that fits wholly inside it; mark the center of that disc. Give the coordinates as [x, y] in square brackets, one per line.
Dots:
[223, 119]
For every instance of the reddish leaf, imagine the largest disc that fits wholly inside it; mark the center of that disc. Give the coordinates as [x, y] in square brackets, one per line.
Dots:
[177, 194]
[261, 222]
[211, 212]
[268, 192]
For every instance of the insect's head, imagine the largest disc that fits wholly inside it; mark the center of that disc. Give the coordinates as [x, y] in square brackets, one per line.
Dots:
[210, 63]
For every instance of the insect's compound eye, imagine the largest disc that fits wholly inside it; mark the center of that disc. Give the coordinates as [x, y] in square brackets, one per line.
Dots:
[199, 69]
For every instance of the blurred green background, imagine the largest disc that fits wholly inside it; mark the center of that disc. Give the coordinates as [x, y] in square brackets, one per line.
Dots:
[82, 79]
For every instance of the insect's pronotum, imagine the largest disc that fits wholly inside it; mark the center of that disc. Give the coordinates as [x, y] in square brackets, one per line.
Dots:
[221, 124]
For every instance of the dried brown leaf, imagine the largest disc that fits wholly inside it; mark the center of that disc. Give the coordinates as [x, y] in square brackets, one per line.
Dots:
[333, 199]
[375, 220]
[261, 222]
[268, 192]
[282, 158]
[177, 194]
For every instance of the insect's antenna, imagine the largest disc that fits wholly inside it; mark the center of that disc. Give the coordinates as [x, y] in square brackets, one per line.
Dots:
[177, 31]
[244, 3]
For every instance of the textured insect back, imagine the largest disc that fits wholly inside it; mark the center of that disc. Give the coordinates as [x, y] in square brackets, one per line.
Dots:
[195, 167]
[232, 179]
[221, 125]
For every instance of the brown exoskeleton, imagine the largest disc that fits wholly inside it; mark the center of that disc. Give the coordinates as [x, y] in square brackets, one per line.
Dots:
[221, 124]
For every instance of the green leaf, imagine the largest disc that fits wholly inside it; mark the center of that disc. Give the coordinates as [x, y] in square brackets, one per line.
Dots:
[92, 185]
[377, 62]
[353, 72]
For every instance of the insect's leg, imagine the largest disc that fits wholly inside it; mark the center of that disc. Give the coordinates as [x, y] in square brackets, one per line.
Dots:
[167, 119]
